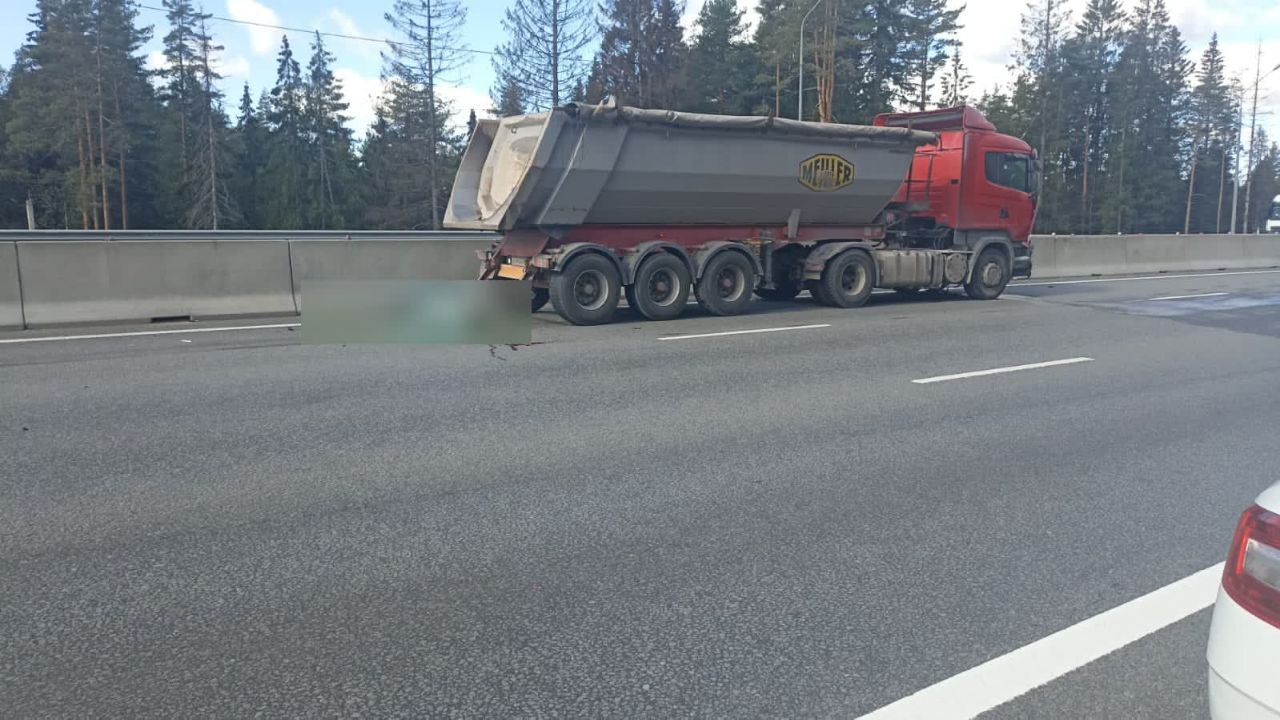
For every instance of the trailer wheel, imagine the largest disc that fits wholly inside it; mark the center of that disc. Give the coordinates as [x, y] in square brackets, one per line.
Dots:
[726, 284]
[586, 291]
[990, 275]
[540, 298]
[847, 280]
[661, 288]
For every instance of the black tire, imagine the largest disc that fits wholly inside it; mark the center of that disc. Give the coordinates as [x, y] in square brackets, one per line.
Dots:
[661, 287]
[726, 284]
[990, 275]
[848, 279]
[586, 292]
[541, 296]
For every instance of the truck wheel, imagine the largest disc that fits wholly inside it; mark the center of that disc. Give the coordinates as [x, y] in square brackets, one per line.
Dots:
[847, 280]
[990, 275]
[586, 291]
[726, 284]
[661, 288]
[540, 298]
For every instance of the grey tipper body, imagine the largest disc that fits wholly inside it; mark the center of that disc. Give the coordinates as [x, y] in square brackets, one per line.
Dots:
[607, 165]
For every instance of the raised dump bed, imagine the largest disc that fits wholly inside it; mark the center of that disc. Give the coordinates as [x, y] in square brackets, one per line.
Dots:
[608, 165]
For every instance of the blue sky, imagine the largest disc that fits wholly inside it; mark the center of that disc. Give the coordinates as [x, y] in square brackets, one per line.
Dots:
[989, 36]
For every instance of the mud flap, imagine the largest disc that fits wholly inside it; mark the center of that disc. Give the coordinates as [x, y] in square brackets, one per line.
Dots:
[516, 244]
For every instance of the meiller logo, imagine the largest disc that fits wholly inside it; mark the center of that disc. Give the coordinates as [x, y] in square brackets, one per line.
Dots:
[824, 173]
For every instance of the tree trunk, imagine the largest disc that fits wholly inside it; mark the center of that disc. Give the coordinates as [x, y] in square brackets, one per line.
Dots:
[1084, 182]
[1191, 189]
[1222, 182]
[102, 138]
[84, 177]
[93, 170]
[555, 53]
[124, 192]
[777, 88]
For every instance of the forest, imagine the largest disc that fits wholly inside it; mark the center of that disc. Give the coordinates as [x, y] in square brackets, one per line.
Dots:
[1134, 134]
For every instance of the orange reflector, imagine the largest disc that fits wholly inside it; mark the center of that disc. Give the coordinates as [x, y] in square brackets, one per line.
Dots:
[511, 272]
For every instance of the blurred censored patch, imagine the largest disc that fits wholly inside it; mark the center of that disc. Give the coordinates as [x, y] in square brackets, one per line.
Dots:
[453, 312]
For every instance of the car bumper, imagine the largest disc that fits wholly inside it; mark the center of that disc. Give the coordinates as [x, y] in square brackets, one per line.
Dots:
[1243, 655]
[1226, 702]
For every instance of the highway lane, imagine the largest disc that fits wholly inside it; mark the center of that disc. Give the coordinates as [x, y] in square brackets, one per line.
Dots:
[608, 524]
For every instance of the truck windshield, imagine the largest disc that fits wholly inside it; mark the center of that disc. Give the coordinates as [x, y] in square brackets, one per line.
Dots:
[1012, 170]
[1275, 210]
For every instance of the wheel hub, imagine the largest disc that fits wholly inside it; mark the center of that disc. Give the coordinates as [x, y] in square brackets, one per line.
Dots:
[589, 290]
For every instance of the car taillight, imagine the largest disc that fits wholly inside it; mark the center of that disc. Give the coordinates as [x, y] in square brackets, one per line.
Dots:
[1252, 573]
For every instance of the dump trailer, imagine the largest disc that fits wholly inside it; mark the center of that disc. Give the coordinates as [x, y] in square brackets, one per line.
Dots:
[598, 202]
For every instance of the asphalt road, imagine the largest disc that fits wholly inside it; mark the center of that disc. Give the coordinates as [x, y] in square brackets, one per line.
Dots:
[609, 524]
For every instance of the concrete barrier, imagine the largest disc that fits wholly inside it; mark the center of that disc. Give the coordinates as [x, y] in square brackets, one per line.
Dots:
[1153, 253]
[1079, 255]
[95, 281]
[10, 288]
[70, 281]
[383, 260]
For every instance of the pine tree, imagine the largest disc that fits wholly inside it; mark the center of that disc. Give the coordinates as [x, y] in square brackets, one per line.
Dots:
[1090, 59]
[543, 55]
[80, 104]
[428, 51]
[723, 61]
[401, 166]
[1039, 90]
[1147, 135]
[509, 101]
[333, 171]
[929, 39]
[285, 171]
[211, 205]
[1213, 130]
[248, 143]
[956, 81]
[181, 87]
[642, 59]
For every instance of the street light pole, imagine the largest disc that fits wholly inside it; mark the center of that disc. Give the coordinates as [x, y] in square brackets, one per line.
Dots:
[800, 83]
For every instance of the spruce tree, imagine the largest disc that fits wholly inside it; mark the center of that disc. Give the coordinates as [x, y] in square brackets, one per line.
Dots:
[543, 54]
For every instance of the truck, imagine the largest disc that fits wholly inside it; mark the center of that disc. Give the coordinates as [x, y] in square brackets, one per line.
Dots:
[1273, 217]
[594, 203]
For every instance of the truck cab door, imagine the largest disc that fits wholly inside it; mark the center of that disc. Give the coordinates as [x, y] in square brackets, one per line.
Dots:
[1007, 196]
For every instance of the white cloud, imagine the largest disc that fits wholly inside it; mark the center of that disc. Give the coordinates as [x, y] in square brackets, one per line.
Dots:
[363, 91]
[157, 61]
[338, 21]
[465, 99]
[236, 66]
[263, 40]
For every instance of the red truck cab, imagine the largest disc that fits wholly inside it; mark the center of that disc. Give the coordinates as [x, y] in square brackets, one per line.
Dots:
[973, 183]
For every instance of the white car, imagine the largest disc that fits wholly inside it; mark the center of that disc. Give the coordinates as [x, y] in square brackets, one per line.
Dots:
[1244, 640]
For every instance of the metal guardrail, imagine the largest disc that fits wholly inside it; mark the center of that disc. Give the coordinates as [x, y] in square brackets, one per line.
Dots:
[236, 235]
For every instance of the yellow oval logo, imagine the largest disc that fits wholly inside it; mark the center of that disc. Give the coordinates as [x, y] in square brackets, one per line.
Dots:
[824, 173]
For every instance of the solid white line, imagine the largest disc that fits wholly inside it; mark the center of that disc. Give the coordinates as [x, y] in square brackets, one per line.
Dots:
[1004, 678]
[745, 332]
[1144, 277]
[1187, 297]
[52, 338]
[997, 371]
